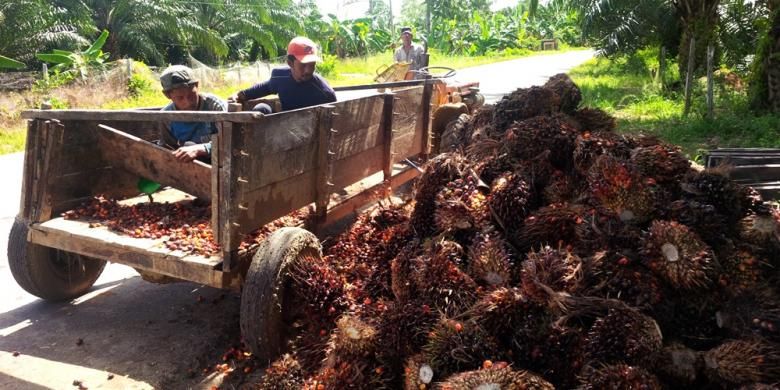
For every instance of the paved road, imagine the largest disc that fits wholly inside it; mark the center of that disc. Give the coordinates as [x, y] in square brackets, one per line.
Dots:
[147, 335]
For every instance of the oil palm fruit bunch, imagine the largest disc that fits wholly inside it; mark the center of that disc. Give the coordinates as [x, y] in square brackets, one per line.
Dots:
[742, 362]
[418, 374]
[700, 217]
[490, 261]
[456, 345]
[677, 365]
[742, 270]
[569, 93]
[662, 162]
[439, 280]
[755, 313]
[438, 172]
[560, 188]
[690, 317]
[619, 276]
[560, 356]
[510, 200]
[496, 376]
[618, 376]
[549, 269]
[603, 228]
[491, 167]
[528, 138]
[461, 205]
[555, 225]
[617, 186]
[351, 355]
[589, 145]
[403, 330]
[677, 255]
[623, 335]
[762, 231]
[712, 186]
[524, 103]
[283, 374]
[595, 119]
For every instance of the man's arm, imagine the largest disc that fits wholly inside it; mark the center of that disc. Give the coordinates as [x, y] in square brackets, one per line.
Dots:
[258, 90]
[329, 95]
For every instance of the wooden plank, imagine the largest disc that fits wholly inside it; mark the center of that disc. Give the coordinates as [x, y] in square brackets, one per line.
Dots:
[324, 171]
[713, 161]
[755, 173]
[280, 146]
[424, 126]
[387, 135]
[28, 170]
[143, 116]
[73, 189]
[407, 140]
[358, 126]
[368, 190]
[354, 168]
[146, 254]
[154, 162]
[221, 157]
[84, 132]
[46, 191]
[268, 203]
[233, 162]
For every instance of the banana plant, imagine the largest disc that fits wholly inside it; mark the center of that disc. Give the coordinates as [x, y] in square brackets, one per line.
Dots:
[10, 63]
[78, 62]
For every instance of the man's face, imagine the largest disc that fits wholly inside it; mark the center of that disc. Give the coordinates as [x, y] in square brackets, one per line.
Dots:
[406, 38]
[184, 98]
[302, 72]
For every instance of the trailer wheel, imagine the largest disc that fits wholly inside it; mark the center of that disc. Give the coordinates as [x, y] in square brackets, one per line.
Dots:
[268, 305]
[49, 273]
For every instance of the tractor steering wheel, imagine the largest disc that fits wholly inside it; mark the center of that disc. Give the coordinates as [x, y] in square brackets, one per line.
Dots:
[450, 72]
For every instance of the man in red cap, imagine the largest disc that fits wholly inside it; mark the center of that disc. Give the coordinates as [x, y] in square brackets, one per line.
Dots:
[297, 85]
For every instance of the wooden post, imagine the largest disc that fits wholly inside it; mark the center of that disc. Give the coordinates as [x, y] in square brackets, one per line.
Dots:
[217, 171]
[387, 135]
[48, 163]
[662, 68]
[323, 183]
[689, 76]
[229, 200]
[29, 173]
[710, 97]
[426, 117]
[45, 71]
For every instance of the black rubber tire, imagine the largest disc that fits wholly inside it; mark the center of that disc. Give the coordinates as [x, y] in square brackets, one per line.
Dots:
[49, 273]
[263, 297]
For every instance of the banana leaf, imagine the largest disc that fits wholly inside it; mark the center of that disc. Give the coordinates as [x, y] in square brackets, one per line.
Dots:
[10, 63]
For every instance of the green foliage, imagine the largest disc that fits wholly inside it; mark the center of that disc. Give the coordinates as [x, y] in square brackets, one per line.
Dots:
[10, 63]
[327, 66]
[78, 62]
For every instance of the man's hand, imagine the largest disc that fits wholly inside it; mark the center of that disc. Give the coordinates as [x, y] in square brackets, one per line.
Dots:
[238, 98]
[189, 153]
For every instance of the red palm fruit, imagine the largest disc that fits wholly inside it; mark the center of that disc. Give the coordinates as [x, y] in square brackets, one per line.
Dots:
[594, 120]
[524, 103]
[283, 374]
[496, 378]
[439, 171]
[457, 345]
[591, 144]
[676, 254]
[742, 270]
[529, 138]
[490, 262]
[618, 276]
[623, 335]
[569, 93]
[548, 270]
[743, 362]
[618, 376]
[663, 162]
[439, 281]
[510, 200]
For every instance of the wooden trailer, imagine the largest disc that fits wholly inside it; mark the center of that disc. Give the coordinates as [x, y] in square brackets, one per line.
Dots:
[335, 158]
[755, 167]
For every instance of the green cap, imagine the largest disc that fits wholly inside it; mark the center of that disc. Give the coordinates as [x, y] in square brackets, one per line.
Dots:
[177, 76]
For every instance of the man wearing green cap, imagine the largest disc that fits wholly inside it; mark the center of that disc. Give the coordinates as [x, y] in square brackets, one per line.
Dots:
[191, 140]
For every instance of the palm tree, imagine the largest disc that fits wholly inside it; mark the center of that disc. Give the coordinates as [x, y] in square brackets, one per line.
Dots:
[699, 20]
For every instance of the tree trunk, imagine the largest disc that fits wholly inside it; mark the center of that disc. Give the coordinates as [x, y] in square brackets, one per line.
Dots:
[698, 18]
[765, 82]
[773, 63]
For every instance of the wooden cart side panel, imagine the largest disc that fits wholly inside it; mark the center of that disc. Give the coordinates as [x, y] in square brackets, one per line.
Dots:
[278, 147]
[154, 162]
[52, 134]
[265, 204]
[28, 170]
[407, 123]
[357, 126]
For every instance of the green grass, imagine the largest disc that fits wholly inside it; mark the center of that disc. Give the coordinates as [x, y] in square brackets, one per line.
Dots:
[626, 88]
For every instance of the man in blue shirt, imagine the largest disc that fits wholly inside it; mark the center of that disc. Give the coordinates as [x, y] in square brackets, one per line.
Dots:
[191, 140]
[297, 85]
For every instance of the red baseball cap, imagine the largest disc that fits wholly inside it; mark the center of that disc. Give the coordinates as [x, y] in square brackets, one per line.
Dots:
[303, 49]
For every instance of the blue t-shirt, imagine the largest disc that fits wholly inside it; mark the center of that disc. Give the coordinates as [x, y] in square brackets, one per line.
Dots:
[196, 132]
[292, 94]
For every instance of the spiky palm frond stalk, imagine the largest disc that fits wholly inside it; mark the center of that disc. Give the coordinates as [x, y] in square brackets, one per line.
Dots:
[618, 376]
[439, 171]
[676, 254]
[623, 335]
[510, 200]
[595, 120]
[524, 103]
[569, 93]
[677, 365]
[502, 377]
[548, 269]
[458, 345]
[529, 138]
[555, 225]
[743, 362]
[284, 373]
[617, 186]
[490, 262]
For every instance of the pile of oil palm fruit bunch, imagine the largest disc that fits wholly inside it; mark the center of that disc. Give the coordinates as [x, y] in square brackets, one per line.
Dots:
[543, 250]
[183, 226]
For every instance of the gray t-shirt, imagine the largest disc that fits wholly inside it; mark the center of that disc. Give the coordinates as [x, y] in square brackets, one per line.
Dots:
[413, 55]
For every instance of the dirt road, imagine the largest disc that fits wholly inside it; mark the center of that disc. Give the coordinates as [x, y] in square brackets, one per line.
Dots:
[130, 334]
